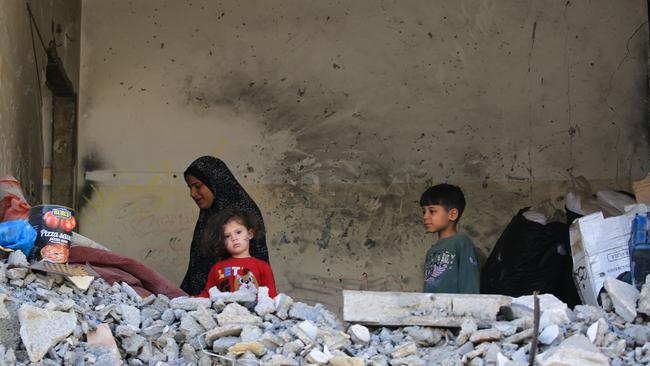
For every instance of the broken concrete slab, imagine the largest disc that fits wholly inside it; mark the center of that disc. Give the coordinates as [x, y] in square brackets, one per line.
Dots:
[624, 296]
[189, 303]
[575, 350]
[407, 308]
[41, 329]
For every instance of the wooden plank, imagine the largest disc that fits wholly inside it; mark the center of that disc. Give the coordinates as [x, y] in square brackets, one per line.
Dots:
[64, 149]
[411, 308]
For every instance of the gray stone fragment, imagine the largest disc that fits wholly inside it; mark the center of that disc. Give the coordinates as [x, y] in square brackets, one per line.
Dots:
[465, 348]
[293, 347]
[408, 361]
[265, 304]
[644, 298]
[230, 297]
[575, 350]
[378, 360]
[359, 334]
[168, 316]
[467, 328]
[188, 354]
[237, 314]
[639, 333]
[520, 337]
[485, 335]
[272, 341]
[282, 304]
[41, 329]
[596, 332]
[318, 357]
[17, 258]
[149, 313]
[250, 333]
[132, 345]
[222, 344]
[588, 313]
[189, 303]
[424, 336]
[549, 334]
[130, 292]
[506, 328]
[280, 360]
[303, 311]
[124, 331]
[624, 296]
[224, 331]
[17, 273]
[171, 350]
[155, 329]
[404, 350]
[130, 315]
[203, 316]
[190, 327]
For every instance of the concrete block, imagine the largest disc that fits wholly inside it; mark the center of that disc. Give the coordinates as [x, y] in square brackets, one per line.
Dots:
[624, 296]
[41, 329]
[406, 308]
[189, 303]
[575, 350]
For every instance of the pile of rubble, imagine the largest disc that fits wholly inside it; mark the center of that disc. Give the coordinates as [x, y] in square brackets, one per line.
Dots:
[44, 319]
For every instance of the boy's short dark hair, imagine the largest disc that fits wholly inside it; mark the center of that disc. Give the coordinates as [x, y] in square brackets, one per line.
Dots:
[446, 195]
[213, 240]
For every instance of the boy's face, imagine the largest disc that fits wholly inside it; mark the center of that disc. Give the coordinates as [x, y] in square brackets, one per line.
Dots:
[237, 239]
[437, 218]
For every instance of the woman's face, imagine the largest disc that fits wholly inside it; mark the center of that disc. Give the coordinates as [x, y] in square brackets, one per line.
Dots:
[200, 193]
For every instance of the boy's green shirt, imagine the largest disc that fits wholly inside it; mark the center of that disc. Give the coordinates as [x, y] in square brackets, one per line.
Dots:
[452, 266]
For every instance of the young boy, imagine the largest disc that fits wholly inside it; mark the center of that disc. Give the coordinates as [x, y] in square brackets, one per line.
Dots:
[451, 264]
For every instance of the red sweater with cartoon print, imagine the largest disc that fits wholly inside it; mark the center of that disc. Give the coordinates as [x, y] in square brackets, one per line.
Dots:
[240, 274]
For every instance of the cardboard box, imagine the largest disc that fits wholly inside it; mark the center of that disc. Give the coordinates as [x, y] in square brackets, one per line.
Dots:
[599, 247]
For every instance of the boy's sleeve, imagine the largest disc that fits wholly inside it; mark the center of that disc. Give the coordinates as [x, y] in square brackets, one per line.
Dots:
[268, 280]
[468, 269]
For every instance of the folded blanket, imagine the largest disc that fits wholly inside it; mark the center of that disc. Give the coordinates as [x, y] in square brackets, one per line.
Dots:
[114, 267]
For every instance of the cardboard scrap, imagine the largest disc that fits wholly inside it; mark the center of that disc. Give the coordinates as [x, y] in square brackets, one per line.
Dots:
[79, 274]
[642, 190]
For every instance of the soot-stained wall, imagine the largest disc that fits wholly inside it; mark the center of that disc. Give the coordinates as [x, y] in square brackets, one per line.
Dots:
[337, 115]
[21, 96]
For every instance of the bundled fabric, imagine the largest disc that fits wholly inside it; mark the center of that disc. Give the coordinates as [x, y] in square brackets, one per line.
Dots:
[17, 235]
[530, 256]
[113, 267]
[13, 205]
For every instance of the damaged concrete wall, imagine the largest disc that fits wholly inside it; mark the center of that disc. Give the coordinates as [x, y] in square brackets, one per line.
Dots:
[336, 116]
[23, 102]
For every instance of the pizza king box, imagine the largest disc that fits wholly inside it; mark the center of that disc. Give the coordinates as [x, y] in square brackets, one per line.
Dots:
[599, 247]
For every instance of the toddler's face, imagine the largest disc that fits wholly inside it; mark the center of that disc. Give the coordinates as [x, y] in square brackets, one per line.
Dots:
[237, 239]
[435, 218]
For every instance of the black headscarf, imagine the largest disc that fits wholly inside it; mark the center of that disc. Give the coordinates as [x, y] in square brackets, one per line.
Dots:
[228, 193]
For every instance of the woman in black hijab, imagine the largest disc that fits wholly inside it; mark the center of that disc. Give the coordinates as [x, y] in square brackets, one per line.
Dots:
[214, 188]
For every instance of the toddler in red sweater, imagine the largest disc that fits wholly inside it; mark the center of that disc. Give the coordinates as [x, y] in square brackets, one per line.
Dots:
[232, 231]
